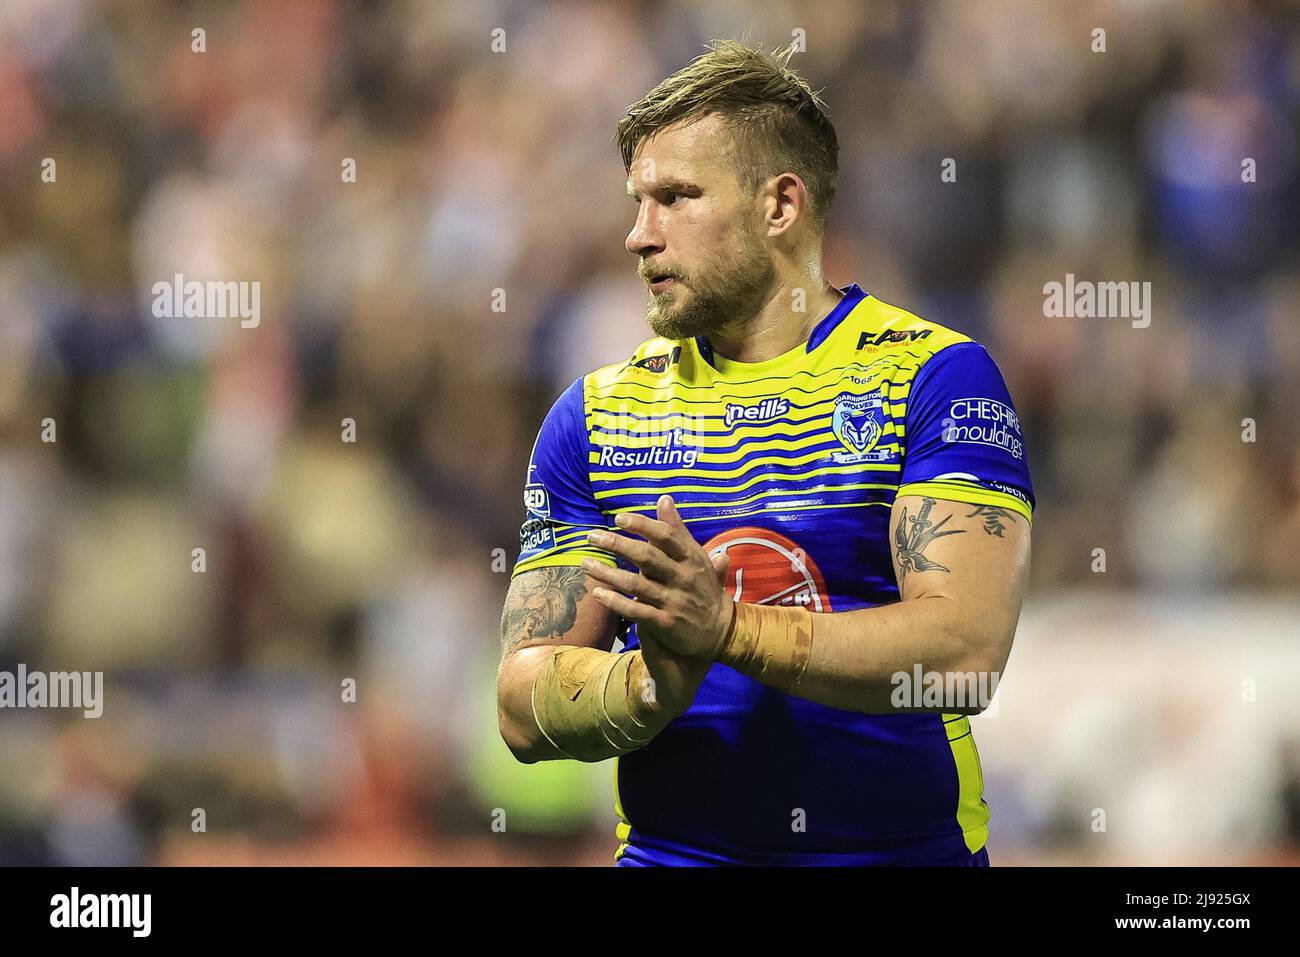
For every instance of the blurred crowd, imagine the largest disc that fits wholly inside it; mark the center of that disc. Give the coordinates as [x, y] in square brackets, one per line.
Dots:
[472, 269]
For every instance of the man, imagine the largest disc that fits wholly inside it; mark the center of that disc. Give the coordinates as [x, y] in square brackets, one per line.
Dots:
[796, 499]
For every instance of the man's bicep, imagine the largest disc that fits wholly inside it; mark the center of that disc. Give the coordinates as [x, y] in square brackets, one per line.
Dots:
[553, 605]
[974, 555]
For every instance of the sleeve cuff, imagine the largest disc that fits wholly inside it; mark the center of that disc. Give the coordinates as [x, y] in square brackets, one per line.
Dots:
[969, 493]
[560, 559]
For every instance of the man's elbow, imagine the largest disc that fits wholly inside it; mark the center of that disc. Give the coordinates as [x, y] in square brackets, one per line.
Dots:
[981, 649]
[524, 751]
[516, 736]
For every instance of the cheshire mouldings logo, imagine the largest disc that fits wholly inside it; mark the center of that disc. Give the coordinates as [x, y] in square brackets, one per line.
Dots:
[978, 420]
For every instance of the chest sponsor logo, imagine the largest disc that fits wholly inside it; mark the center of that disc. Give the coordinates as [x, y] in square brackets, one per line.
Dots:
[672, 450]
[980, 421]
[858, 422]
[891, 337]
[759, 411]
[769, 569]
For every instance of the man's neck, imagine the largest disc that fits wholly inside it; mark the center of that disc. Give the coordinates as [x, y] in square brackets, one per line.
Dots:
[777, 327]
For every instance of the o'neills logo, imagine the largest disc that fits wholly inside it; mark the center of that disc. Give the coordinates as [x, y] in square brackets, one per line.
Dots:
[769, 569]
[767, 409]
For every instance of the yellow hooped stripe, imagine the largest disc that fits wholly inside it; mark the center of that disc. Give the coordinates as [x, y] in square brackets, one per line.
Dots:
[736, 472]
[968, 493]
[782, 507]
[735, 451]
[899, 371]
[557, 558]
[733, 503]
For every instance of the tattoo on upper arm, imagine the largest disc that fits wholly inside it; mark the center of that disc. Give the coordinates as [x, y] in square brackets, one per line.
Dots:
[995, 519]
[541, 604]
[914, 534]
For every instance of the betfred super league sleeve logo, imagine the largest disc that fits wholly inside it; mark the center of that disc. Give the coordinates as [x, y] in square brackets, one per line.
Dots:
[537, 531]
[858, 422]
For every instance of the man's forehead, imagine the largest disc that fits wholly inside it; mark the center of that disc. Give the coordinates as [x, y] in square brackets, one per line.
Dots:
[684, 152]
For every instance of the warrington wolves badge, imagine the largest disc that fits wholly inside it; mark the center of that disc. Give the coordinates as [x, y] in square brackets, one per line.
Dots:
[858, 422]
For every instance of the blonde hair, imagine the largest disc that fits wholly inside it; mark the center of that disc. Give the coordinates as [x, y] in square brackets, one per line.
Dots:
[777, 121]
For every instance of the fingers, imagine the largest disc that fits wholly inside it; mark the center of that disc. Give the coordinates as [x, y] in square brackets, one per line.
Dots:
[629, 608]
[629, 583]
[668, 532]
[652, 561]
[667, 511]
[721, 565]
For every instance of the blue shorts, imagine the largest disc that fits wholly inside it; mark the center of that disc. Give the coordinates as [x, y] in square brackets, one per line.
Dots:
[634, 858]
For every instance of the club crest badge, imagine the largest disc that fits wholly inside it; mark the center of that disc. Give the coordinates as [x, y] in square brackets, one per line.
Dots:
[858, 422]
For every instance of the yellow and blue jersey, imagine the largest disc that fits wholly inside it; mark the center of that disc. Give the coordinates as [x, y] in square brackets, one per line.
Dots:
[791, 466]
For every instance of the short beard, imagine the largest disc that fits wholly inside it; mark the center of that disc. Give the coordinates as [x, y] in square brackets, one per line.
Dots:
[712, 306]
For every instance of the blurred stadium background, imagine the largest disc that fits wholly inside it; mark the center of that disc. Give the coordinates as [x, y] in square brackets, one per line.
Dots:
[1160, 692]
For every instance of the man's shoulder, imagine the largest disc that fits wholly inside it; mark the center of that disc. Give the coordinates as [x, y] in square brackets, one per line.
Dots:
[876, 329]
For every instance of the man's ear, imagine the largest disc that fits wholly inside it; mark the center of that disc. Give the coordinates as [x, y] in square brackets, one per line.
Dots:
[785, 202]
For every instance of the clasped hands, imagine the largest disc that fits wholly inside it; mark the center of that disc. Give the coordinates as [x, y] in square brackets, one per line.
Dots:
[679, 599]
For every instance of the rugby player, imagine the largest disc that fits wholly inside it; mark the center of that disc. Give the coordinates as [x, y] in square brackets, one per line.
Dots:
[788, 503]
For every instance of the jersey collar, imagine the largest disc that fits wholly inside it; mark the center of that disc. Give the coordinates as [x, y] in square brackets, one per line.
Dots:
[853, 295]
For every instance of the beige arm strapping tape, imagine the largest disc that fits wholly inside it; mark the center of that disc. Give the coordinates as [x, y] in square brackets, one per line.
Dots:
[587, 704]
[770, 643]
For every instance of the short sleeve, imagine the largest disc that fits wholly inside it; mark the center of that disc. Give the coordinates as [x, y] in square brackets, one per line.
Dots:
[963, 438]
[560, 508]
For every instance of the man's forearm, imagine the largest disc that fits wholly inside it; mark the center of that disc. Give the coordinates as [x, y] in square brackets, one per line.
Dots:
[567, 702]
[852, 660]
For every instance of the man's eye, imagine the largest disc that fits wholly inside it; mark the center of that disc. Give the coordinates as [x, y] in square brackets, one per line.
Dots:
[670, 198]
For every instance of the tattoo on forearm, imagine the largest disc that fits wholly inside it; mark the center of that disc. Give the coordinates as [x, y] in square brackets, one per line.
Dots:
[541, 604]
[995, 519]
[914, 534]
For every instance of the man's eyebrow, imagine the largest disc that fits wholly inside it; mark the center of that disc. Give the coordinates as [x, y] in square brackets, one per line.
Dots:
[667, 186]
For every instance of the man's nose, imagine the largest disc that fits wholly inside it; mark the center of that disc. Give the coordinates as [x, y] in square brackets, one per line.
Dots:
[645, 238]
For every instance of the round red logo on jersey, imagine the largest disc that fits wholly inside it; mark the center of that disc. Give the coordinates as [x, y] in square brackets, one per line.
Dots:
[769, 569]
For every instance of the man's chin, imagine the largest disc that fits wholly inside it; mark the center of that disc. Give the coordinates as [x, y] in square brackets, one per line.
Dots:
[672, 327]
[671, 322]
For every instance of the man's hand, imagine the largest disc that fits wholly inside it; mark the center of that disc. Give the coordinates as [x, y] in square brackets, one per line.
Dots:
[673, 680]
[679, 599]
